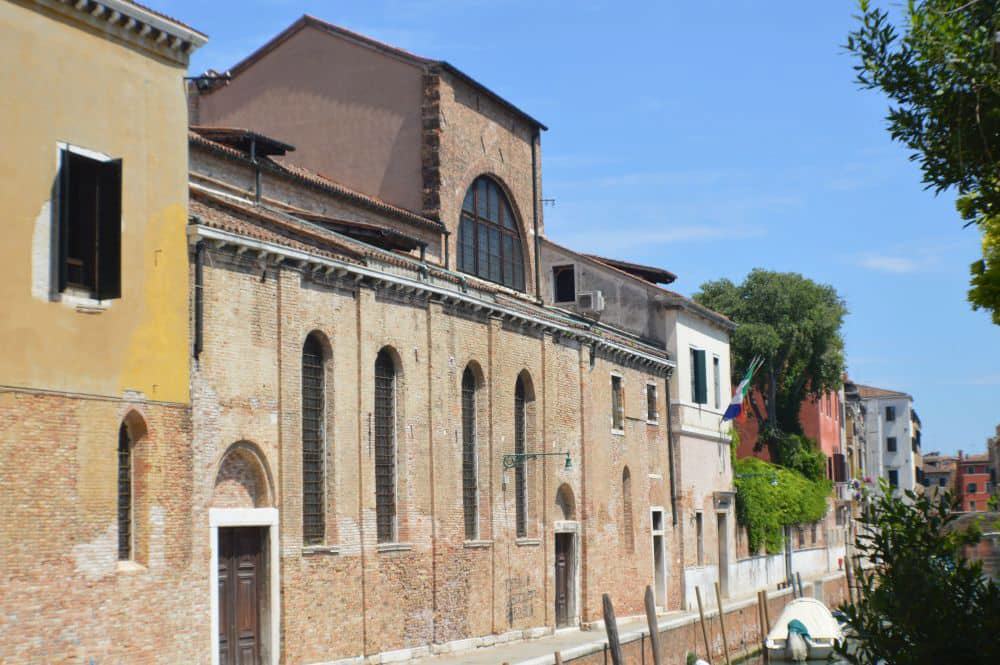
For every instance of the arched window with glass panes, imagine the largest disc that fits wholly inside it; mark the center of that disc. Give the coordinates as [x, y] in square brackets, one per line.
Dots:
[489, 243]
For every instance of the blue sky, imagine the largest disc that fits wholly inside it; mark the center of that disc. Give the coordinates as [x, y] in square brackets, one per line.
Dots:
[710, 138]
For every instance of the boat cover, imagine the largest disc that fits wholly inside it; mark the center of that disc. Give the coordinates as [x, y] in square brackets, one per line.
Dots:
[813, 614]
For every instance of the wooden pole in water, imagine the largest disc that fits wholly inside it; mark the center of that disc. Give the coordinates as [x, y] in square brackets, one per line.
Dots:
[767, 611]
[654, 629]
[704, 631]
[763, 624]
[558, 658]
[611, 626]
[798, 576]
[722, 622]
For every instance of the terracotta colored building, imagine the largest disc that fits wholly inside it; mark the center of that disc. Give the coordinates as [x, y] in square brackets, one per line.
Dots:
[822, 420]
[973, 481]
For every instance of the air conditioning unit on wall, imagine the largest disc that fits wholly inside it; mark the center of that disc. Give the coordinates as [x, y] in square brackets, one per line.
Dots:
[590, 302]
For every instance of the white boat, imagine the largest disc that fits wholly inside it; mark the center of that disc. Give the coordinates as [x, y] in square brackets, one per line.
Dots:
[824, 632]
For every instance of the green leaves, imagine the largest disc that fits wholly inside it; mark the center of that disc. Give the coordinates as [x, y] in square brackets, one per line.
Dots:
[920, 602]
[792, 322]
[942, 78]
[770, 497]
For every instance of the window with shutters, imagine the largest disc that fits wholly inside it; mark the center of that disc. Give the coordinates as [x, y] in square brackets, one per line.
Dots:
[890, 413]
[89, 229]
[970, 488]
[652, 415]
[385, 446]
[470, 482]
[629, 534]
[564, 283]
[313, 441]
[890, 444]
[617, 404]
[520, 447]
[893, 478]
[489, 243]
[699, 380]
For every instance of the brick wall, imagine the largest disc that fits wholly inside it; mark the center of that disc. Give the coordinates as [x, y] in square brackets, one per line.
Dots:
[354, 595]
[65, 595]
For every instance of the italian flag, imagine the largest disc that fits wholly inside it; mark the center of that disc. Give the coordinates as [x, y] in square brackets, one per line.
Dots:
[735, 407]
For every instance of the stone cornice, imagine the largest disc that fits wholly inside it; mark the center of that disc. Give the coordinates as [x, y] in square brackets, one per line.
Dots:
[132, 23]
[359, 275]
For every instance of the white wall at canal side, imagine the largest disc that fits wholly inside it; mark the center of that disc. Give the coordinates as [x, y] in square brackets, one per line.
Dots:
[748, 575]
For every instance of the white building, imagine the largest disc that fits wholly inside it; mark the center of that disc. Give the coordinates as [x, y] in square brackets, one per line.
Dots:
[893, 446]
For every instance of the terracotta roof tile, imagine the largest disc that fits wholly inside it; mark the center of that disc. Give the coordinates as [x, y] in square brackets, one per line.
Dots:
[872, 391]
[307, 176]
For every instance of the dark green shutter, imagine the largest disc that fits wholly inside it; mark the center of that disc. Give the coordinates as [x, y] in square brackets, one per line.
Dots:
[700, 377]
[63, 218]
[109, 231]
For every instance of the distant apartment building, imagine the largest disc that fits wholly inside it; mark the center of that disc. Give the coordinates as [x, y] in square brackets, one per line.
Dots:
[889, 430]
[993, 452]
[972, 479]
[938, 474]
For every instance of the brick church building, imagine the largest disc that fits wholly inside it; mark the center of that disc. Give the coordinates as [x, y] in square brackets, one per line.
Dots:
[384, 426]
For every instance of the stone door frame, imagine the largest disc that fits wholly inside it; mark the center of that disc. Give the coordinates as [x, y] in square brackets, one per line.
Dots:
[230, 517]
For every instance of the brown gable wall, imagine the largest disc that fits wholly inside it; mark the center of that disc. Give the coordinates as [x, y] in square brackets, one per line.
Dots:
[352, 113]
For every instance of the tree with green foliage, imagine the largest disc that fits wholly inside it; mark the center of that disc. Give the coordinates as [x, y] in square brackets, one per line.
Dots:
[794, 324]
[941, 73]
[920, 602]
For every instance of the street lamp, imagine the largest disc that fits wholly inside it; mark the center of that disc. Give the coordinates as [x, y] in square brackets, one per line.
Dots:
[511, 460]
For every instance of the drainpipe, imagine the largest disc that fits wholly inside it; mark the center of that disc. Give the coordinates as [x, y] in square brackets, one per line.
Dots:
[199, 298]
[534, 210]
[256, 169]
[670, 454]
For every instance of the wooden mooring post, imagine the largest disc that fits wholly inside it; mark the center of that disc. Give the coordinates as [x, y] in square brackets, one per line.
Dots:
[558, 657]
[611, 626]
[654, 627]
[762, 621]
[704, 630]
[798, 577]
[722, 622]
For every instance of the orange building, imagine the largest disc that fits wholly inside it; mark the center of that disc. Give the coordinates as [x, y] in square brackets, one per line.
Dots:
[972, 480]
[822, 420]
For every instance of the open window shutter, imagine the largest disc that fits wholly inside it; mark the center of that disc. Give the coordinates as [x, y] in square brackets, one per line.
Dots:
[109, 231]
[63, 219]
[700, 377]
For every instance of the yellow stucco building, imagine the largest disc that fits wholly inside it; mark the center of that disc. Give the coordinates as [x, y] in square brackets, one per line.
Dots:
[94, 343]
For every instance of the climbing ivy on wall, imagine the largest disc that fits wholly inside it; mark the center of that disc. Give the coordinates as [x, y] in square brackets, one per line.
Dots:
[770, 497]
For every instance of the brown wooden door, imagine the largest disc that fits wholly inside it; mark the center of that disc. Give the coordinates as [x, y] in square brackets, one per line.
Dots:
[241, 564]
[563, 542]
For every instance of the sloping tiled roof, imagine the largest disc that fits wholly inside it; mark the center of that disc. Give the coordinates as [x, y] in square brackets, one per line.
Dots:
[314, 179]
[312, 21]
[255, 222]
[872, 391]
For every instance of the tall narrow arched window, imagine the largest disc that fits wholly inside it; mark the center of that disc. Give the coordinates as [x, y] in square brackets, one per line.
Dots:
[629, 528]
[520, 480]
[124, 493]
[313, 441]
[470, 483]
[385, 446]
[489, 243]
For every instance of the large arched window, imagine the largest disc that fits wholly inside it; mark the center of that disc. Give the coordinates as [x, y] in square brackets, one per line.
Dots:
[520, 479]
[385, 446]
[489, 244]
[124, 493]
[470, 484]
[313, 441]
